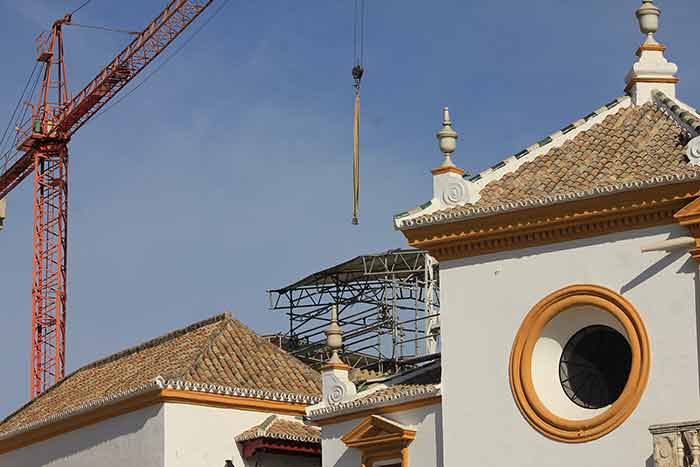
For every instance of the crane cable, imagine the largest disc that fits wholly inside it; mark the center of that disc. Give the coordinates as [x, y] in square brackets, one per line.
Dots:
[357, 73]
[162, 63]
[19, 103]
[84, 4]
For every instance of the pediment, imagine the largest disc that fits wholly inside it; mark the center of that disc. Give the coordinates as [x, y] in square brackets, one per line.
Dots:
[689, 214]
[376, 431]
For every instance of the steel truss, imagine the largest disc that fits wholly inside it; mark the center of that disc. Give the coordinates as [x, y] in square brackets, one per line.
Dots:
[388, 308]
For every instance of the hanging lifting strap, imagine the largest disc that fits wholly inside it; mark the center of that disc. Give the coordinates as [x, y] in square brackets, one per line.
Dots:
[356, 160]
[357, 72]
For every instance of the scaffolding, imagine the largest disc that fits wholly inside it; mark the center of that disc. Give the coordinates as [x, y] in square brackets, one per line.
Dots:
[388, 308]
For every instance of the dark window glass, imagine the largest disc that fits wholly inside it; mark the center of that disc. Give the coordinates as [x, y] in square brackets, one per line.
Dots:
[594, 366]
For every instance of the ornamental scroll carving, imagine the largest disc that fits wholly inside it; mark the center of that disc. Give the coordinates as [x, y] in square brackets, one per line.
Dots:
[677, 449]
[692, 150]
[337, 387]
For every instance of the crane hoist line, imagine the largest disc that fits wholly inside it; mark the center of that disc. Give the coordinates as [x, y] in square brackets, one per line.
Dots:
[42, 151]
[358, 71]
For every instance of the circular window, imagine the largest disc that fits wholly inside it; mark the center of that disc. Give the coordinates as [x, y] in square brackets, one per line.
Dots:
[580, 363]
[594, 366]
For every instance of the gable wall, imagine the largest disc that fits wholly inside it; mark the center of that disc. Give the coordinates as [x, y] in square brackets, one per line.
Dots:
[133, 439]
[197, 435]
[484, 300]
[424, 451]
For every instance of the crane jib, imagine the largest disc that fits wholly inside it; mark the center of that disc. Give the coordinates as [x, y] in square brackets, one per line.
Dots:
[155, 38]
[165, 28]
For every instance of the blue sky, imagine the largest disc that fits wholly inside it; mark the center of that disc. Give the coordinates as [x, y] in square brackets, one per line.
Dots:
[229, 172]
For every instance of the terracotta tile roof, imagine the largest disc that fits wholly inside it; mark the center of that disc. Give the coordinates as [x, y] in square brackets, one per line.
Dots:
[631, 148]
[377, 397]
[219, 351]
[397, 391]
[275, 427]
[635, 144]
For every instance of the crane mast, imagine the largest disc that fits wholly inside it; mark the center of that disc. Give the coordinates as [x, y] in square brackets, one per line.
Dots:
[42, 149]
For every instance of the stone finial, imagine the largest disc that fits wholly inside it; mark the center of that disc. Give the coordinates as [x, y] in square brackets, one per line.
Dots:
[449, 186]
[447, 137]
[334, 336]
[652, 71]
[335, 375]
[648, 16]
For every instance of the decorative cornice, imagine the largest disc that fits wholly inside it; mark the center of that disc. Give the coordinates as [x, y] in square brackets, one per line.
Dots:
[468, 213]
[371, 401]
[157, 391]
[689, 217]
[261, 431]
[674, 427]
[544, 225]
[263, 434]
[241, 392]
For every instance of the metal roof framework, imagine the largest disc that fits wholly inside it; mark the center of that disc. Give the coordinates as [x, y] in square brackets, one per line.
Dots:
[388, 308]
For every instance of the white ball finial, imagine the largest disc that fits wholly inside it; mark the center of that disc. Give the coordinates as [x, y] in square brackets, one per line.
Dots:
[447, 137]
[648, 16]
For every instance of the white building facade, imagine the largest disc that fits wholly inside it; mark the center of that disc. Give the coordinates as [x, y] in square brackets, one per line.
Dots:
[570, 291]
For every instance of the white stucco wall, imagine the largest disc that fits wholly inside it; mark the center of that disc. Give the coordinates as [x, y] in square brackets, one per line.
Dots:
[266, 459]
[133, 439]
[164, 435]
[484, 300]
[424, 451]
[199, 436]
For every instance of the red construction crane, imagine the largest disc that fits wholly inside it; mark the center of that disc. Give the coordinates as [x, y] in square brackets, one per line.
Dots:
[42, 149]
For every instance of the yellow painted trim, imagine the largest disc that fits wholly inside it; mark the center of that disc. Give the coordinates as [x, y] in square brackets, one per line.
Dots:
[554, 223]
[651, 47]
[380, 410]
[530, 405]
[651, 79]
[392, 443]
[443, 170]
[689, 217]
[232, 402]
[336, 366]
[142, 401]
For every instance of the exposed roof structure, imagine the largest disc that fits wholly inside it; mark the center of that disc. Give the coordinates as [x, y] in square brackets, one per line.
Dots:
[623, 147]
[388, 307]
[277, 428]
[219, 352]
[399, 263]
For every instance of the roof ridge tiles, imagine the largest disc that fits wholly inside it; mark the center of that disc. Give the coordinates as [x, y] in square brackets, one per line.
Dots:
[682, 114]
[552, 138]
[225, 320]
[123, 353]
[155, 341]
